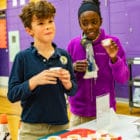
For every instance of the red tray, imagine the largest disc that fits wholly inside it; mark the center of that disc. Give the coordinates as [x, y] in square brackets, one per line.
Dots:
[83, 132]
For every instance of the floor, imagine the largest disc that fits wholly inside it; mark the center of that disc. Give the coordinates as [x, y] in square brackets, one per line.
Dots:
[123, 108]
[13, 111]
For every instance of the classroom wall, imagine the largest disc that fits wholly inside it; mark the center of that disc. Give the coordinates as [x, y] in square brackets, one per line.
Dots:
[124, 22]
[66, 23]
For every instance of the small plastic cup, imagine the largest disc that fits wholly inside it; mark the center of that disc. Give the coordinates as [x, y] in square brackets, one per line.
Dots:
[54, 138]
[74, 137]
[55, 68]
[94, 136]
[106, 42]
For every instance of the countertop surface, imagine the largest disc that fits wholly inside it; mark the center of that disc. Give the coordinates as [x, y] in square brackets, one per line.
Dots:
[123, 127]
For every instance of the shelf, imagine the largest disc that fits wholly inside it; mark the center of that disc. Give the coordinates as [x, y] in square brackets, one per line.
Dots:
[135, 60]
[136, 104]
[133, 82]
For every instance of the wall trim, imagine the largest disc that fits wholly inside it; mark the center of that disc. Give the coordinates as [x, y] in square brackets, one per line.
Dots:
[4, 81]
[122, 100]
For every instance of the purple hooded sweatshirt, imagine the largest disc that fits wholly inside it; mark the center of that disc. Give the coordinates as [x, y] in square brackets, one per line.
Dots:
[84, 102]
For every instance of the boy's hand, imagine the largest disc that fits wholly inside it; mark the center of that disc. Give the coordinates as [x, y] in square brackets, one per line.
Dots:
[64, 77]
[43, 78]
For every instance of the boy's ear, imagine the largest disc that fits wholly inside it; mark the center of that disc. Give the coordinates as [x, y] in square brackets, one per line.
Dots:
[29, 31]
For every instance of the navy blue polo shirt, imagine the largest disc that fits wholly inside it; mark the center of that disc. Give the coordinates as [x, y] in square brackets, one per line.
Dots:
[46, 103]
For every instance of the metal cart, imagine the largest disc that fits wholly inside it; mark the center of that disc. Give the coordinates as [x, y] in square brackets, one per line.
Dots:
[133, 82]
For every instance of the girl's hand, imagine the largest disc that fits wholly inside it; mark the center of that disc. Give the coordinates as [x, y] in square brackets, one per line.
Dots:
[80, 65]
[111, 48]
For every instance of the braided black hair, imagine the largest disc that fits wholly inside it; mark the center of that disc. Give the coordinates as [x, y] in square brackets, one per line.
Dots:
[93, 5]
[97, 2]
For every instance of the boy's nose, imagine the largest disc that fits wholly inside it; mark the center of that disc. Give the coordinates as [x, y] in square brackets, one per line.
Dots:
[47, 28]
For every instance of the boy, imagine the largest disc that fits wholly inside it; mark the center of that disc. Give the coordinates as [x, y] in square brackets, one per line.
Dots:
[35, 82]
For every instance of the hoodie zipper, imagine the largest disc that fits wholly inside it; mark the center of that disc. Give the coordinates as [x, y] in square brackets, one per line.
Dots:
[91, 93]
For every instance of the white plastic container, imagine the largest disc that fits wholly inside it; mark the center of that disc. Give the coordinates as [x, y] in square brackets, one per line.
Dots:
[54, 138]
[4, 131]
[74, 137]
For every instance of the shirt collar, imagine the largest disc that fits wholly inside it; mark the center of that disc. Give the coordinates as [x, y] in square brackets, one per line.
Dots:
[56, 52]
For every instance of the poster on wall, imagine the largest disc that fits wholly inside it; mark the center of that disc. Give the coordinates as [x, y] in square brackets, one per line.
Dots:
[14, 3]
[22, 2]
[3, 4]
[14, 44]
[33, 0]
[3, 34]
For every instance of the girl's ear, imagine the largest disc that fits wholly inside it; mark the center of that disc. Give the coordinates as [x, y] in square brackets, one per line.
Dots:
[101, 21]
[29, 31]
[79, 21]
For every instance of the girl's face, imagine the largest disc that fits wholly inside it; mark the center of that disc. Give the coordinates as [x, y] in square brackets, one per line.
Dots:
[90, 23]
[42, 30]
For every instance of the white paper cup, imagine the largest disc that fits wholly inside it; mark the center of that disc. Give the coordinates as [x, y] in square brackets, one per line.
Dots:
[55, 68]
[94, 136]
[106, 42]
[74, 137]
[54, 138]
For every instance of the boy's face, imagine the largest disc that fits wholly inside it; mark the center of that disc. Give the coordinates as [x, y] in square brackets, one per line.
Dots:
[42, 30]
[90, 23]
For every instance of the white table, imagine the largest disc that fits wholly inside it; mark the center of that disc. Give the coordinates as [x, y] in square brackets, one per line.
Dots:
[124, 127]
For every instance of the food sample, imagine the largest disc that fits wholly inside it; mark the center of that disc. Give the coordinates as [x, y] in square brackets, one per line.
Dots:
[54, 138]
[99, 136]
[106, 42]
[74, 137]
[89, 134]
[55, 68]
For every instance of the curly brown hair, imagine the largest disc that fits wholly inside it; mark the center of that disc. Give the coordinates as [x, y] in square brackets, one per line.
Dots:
[41, 9]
